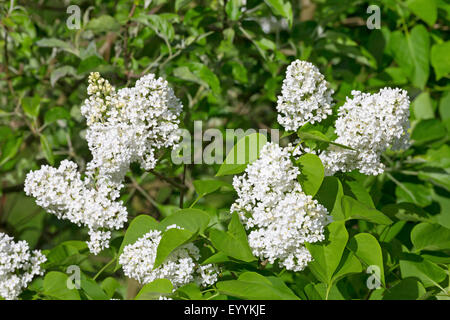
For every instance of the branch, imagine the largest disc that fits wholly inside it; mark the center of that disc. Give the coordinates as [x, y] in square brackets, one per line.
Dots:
[12, 189]
[171, 181]
[125, 45]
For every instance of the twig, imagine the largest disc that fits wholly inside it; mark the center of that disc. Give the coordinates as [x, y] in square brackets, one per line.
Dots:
[12, 189]
[6, 61]
[143, 192]
[104, 268]
[125, 44]
[171, 181]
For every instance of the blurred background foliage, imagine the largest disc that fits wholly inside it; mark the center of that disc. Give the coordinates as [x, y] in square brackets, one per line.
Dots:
[226, 61]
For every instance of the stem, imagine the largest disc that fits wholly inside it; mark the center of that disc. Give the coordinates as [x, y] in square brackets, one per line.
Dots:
[208, 290]
[196, 200]
[410, 173]
[213, 296]
[328, 292]
[282, 272]
[104, 268]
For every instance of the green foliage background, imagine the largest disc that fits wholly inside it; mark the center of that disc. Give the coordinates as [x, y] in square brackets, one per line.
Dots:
[226, 61]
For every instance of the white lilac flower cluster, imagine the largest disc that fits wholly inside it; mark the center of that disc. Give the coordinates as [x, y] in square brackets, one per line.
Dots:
[61, 191]
[180, 267]
[18, 266]
[281, 218]
[130, 124]
[124, 126]
[305, 96]
[370, 124]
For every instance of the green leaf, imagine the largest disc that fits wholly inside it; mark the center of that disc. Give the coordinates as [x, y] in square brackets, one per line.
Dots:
[438, 257]
[413, 192]
[439, 157]
[419, 45]
[444, 106]
[318, 136]
[330, 195]
[103, 23]
[56, 43]
[89, 64]
[428, 130]
[432, 237]
[167, 210]
[236, 229]
[31, 106]
[56, 113]
[155, 289]
[55, 286]
[233, 9]
[424, 9]
[266, 44]
[192, 220]
[208, 77]
[5, 133]
[47, 150]
[170, 240]
[411, 52]
[442, 199]
[76, 244]
[406, 289]
[406, 211]
[204, 187]
[311, 173]
[10, 149]
[180, 4]
[353, 209]
[245, 151]
[184, 73]
[200, 74]
[253, 286]
[356, 190]
[422, 106]
[160, 24]
[219, 257]
[312, 293]
[60, 254]
[233, 243]
[191, 291]
[238, 71]
[92, 290]
[333, 294]
[440, 179]
[368, 250]
[327, 254]
[281, 8]
[109, 286]
[230, 246]
[349, 265]
[60, 73]
[412, 265]
[439, 59]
